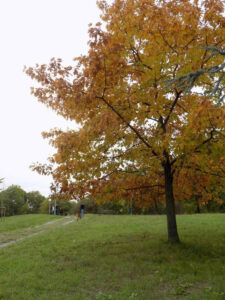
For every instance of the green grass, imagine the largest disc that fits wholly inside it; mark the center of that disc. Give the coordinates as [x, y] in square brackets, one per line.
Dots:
[16, 223]
[118, 257]
[12, 228]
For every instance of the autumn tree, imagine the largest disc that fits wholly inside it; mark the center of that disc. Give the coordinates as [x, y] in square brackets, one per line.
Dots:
[129, 122]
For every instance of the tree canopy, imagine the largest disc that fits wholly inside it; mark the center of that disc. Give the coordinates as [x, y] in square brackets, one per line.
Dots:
[13, 199]
[135, 134]
[34, 200]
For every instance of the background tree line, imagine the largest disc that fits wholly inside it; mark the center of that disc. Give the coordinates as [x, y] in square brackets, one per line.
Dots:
[121, 206]
[16, 201]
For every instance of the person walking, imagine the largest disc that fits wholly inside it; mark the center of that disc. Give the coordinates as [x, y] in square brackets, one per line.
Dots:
[82, 210]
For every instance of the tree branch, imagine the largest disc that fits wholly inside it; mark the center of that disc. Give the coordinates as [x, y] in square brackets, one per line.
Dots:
[144, 187]
[172, 107]
[127, 123]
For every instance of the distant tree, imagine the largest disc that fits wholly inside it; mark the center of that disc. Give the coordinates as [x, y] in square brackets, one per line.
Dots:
[34, 200]
[44, 207]
[13, 198]
[25, 209]
[62, 206]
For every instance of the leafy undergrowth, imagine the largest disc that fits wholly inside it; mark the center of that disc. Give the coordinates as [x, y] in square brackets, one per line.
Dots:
[118, 257]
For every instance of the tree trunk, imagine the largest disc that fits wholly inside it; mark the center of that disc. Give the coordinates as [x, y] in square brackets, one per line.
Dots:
[198, 211]
[208, 206]
[156, 206]
[170, 205]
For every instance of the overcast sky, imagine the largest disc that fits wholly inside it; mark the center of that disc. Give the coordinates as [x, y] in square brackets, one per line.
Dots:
[33, 31]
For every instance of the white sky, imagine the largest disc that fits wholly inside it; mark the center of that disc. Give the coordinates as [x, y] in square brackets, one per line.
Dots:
[33, 31]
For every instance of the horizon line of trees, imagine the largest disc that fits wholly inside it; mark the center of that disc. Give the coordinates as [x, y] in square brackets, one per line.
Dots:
[121, 206]
[16, 201]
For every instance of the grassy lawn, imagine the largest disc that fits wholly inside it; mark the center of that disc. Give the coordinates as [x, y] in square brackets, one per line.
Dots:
[118, 257]
[13, 227]
[10, 224]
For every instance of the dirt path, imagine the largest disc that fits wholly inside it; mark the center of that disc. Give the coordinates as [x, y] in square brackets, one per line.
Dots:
[7, 240]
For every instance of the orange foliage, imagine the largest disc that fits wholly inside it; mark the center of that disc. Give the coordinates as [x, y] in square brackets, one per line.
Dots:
[134, 132]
